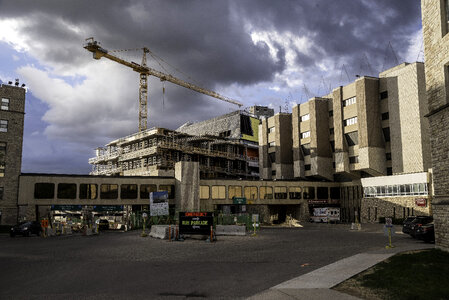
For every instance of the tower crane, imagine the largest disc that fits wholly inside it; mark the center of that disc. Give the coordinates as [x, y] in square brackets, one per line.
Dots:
[99, 52]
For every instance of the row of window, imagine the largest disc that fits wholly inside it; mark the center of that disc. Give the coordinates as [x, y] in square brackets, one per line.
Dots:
[349, 101]
[2, 158]
[4, 104]
[106, 191]
[3, 125]
[396, 190]
[304, 118]
[267, 192]
[350, 121]
[305, 134]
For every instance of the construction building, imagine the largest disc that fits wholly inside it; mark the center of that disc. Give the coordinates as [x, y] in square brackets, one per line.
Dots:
[12, 112]
[435, 21]
[371, 127]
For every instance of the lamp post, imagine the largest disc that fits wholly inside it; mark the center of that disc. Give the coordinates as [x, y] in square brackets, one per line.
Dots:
[144, 216]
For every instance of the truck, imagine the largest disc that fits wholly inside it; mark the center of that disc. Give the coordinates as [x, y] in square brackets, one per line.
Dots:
[326, 215]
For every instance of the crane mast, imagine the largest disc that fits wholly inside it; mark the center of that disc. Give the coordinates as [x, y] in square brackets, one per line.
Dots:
[143, 70]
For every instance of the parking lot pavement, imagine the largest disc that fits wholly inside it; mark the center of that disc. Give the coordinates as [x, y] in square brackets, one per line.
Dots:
[122, 265]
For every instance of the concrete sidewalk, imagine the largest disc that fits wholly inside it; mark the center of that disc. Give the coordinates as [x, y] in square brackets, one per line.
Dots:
[317, 284]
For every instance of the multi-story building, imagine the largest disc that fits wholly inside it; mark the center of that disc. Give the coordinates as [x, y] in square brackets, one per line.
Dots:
[435, 20]
[370, 127]
[12, 111]
[155, 151]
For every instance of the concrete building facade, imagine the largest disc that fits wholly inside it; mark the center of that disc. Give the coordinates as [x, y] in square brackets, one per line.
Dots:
[374, 126]
[435, 20]
[12, 112]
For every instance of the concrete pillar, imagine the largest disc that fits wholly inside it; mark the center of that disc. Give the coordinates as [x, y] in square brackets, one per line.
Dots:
[187, 176]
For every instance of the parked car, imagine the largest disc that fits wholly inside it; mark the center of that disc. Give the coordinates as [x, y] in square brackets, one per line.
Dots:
[103, 224]
[426, 232]
[418, 222]
[26, 228]
[406, 227]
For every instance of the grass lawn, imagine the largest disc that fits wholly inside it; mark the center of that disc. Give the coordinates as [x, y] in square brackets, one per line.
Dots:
[417, 275]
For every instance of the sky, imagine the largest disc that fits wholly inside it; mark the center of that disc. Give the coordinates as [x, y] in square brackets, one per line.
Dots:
[259, 52]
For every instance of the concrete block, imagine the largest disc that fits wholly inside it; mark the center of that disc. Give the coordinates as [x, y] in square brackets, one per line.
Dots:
[161, 231]
[230, 230]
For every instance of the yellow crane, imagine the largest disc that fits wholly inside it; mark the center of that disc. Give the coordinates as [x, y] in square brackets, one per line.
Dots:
[99, 52]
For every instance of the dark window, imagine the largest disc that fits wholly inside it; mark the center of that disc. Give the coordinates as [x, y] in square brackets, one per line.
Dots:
[306, 149]
[307, 167]
[353, 159]
[322, 192]
[389, 171]
[2, 158]
[170, 189]
[388, 156]
[44, 190]
[352, 138]
[273, 172]
[331, 130]
[384, 95]
[280, 192]
[308, 192]
[332, 146]
[386, 132]
[128, 191]
[333, 164]
[88, 191]
[331, 113]
[146, 189]
[1, 193]
[66, 190]
[109, 191]
[272, 157]
[385, 116]
[335, 193]
[445, 12]
[294, 192]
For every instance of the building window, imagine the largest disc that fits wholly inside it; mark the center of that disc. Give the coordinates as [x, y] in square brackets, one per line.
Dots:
[386, 132]
[350, 121]
[352, 138]
[3, 125]
[271, 129]
[349, 101]
[1, 193]
[445, 17]
[234, 191]
[305, 134]
[168, 188]
[128, 191]
[322, 193]
[335, 193]
[306, 149]
[271, 144]
[332, 146]
[109, 191]
[307, 167]
[66, 191]
[251, 192]
[5, 104]
[331, 131]
[353, 159]
[204, 192]
[146, 189]
[388, 156]
[390, 171]
[331, 113]
[2, 158]
[304, 117]
[384, 95]
[266, 192]
[308, 192]
[88, 191]
[44, 190]
[294, 192]
[385, 116]
[218, 192]
[280, 192]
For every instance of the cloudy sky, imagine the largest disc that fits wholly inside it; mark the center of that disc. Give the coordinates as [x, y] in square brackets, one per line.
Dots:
[274, 53]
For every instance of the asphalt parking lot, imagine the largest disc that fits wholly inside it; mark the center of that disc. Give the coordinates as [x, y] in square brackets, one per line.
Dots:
[123, 265]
